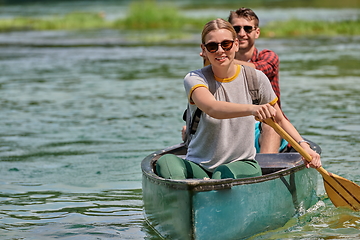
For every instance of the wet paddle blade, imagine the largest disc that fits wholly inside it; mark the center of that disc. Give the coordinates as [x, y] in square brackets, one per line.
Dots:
[341, 191]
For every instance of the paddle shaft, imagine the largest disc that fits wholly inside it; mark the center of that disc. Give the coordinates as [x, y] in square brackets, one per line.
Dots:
[293, 143]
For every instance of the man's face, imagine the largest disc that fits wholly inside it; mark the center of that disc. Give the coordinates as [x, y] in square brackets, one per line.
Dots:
[247, 33]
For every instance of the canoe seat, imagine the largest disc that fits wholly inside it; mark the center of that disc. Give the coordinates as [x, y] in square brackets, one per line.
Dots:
[274, 162]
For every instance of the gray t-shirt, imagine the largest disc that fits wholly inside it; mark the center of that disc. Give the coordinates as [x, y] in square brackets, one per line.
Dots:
[221, 141]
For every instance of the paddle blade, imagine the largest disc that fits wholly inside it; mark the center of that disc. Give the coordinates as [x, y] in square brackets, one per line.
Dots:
[341, 191]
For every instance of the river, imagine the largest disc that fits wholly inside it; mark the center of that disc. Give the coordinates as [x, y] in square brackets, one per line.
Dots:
[80, 110]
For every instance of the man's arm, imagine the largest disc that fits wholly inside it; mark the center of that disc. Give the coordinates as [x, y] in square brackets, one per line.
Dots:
[239, 62]
[267, 61]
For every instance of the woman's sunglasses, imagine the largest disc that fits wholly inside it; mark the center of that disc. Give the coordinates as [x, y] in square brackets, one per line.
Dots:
[247, 29]
[213, 46]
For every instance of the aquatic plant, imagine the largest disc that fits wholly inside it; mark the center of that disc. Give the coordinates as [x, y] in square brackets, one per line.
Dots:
[71, 21]
[147, 14]
[296, 28]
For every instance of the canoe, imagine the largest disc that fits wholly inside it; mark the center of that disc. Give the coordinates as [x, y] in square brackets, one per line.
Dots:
[228, 208]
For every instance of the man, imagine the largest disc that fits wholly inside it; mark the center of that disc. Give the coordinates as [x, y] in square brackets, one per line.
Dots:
[246, 24]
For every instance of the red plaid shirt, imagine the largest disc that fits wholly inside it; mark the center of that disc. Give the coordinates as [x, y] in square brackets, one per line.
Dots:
[267, 61]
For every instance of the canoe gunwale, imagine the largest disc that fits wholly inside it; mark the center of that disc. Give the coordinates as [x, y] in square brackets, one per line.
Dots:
[199, 185]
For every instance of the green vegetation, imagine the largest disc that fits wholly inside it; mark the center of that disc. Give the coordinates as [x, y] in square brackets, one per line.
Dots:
[148, 15]
[157, 23]
[232, 4]
[145, 17]
[296, 28]
[71, 21]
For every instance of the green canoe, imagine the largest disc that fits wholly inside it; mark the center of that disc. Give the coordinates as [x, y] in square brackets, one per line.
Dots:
[227, 208]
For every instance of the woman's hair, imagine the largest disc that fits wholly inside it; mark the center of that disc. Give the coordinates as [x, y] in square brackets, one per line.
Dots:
[217, 24]
[246, 13]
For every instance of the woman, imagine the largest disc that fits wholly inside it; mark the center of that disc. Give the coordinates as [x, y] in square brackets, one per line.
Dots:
[223, 145]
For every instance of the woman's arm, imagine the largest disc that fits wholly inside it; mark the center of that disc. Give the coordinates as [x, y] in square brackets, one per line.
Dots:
[204, 100]
[291, 130]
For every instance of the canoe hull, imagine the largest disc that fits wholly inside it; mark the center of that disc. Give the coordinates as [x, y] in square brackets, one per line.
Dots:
[225, 209]
[248, 209]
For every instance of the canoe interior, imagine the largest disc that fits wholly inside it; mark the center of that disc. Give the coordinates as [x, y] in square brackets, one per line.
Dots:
[271, 165]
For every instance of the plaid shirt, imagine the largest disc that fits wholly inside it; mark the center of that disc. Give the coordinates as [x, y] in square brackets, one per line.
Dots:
[268, 62]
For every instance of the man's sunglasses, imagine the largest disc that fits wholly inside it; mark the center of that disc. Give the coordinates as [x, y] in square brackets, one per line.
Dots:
[213, 46]
[247, 29]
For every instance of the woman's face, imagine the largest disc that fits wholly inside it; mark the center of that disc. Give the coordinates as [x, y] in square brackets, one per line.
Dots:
[224, 55]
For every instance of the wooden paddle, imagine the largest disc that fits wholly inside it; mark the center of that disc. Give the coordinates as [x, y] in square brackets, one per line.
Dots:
[341, 191]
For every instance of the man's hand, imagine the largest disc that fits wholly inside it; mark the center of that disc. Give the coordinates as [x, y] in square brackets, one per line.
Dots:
[183, 133]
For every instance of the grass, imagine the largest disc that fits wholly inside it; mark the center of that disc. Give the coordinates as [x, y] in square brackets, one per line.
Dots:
[298, 28]
[231, 4]
[143, 15]
[147, 15]
[71, 21]
[155, 17]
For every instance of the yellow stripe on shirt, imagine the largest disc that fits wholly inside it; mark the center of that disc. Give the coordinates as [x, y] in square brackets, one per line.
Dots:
[272, 103]
[192, 90]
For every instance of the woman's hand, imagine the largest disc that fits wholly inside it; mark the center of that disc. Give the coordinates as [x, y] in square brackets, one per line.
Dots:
[315, 157]
[262, 112]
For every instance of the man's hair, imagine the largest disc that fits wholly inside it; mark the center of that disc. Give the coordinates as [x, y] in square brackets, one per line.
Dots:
[246, 13]
[217, 24]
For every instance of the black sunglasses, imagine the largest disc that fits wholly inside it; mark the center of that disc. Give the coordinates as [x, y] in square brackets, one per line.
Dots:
[247, 29]
[213, 46]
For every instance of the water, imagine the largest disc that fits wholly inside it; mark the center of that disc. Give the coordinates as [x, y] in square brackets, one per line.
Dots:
[80, 110]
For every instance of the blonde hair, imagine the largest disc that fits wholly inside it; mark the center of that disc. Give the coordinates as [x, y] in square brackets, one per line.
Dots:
[217, 24]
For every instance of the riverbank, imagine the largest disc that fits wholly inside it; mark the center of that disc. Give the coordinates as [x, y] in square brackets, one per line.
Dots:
[170, 19]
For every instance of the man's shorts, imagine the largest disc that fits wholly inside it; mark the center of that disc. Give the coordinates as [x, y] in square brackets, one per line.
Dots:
[283, 142]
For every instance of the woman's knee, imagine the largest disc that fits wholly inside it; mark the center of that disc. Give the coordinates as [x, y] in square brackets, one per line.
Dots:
[238, 169]
[170, 166]
[223, 172]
